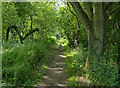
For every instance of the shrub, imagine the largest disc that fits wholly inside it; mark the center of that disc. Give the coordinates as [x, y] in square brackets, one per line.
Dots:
[19, 62]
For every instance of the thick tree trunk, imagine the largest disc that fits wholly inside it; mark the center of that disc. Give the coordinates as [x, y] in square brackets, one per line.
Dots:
[98, 26]
[94, 26]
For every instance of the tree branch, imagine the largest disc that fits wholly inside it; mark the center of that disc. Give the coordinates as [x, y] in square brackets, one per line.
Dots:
[82, 15]
[30, 32]
[74, 15]
[71, 10]
[89, 9]
[15, 28]
[21, 37]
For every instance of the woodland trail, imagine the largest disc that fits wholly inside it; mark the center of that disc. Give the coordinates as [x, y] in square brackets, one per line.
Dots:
[55, 73]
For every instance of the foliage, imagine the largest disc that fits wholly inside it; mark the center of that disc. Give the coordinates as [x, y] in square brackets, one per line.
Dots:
[24, 64]
[102, 72]
[69, 26]
[20, 61]
[72, 82]
[75, 63]
[28, 16]
[112, 40]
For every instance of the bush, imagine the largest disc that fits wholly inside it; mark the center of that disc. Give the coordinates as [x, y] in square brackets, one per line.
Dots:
[19, 62]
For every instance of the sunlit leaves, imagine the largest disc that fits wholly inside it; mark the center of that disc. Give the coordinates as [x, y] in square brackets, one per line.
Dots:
[9, 14]
[28, 16]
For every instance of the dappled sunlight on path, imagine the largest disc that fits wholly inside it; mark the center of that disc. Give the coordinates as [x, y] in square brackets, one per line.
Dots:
[55, 73]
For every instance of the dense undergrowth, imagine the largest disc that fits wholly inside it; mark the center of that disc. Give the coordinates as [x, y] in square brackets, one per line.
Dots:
[92, 71]
[24, 64]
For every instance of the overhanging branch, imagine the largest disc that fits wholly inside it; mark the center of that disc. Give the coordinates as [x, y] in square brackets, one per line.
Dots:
[82, 15]
[74, 15]
[30, 32]
[21, 37]
[89, 9]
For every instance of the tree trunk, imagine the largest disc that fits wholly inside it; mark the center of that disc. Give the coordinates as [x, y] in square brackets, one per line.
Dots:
[98, 26]
[94, 26]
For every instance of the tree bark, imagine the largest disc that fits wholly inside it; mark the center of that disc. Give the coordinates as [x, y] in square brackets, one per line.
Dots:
[94, 26]
[98, 25]
[81, 15]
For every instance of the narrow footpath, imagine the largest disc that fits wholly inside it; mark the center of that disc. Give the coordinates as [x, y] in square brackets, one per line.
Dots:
[55, 73]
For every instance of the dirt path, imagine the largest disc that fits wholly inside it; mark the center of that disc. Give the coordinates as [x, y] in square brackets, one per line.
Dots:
[55, 73]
